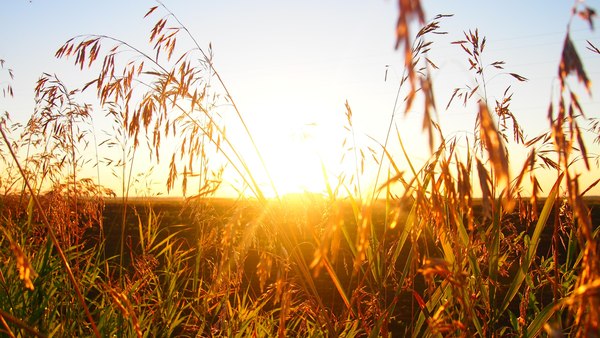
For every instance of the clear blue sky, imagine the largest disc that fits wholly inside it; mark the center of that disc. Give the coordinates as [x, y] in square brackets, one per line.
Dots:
[292, 65]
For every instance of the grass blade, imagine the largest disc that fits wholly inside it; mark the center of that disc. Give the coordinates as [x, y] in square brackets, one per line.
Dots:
[534, 328]
[533, 244]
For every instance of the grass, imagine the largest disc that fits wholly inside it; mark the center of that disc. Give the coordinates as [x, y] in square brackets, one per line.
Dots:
[419, 255]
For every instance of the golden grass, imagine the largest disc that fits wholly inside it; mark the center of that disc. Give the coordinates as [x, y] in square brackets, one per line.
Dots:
[429, 259]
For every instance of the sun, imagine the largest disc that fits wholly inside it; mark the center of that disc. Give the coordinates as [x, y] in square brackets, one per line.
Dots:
[297, 157]
[295, 164]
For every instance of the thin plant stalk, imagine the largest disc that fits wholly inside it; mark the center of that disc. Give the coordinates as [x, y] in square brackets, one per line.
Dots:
[229, 96]
[53, 237]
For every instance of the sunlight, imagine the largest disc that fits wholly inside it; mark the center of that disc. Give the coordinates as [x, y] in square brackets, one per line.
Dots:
[305, 152]
[314, 195]
[295, 160]
[297, 148]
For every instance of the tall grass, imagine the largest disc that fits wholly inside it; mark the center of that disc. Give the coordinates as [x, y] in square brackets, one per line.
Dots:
[419, 255]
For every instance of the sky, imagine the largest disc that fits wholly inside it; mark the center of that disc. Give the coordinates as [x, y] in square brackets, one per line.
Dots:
[292, 66]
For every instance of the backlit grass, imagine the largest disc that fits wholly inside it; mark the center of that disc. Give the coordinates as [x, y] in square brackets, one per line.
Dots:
[449, 247]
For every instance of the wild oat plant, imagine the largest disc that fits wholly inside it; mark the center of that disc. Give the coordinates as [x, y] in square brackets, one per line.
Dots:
[419, 255]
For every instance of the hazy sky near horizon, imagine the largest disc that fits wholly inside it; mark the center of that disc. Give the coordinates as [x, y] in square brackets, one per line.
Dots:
[291, 66]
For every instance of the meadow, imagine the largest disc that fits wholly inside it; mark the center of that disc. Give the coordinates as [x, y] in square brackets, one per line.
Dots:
[460, 245]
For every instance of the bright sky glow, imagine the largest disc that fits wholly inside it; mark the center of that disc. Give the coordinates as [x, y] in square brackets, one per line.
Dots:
[291, 66]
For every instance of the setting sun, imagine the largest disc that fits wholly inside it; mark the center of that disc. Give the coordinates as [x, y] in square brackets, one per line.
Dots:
[294, 165]
[296, 152]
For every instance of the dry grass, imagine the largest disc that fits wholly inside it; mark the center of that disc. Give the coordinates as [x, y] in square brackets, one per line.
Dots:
[421, 254]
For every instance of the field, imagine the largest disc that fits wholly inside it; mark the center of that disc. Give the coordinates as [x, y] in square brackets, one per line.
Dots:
[467, 242]
[177, 213]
